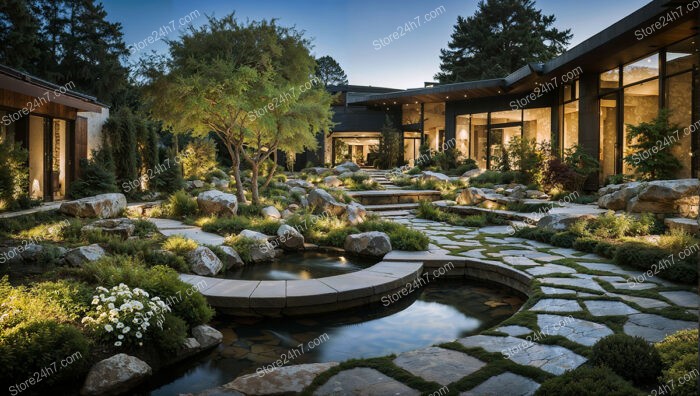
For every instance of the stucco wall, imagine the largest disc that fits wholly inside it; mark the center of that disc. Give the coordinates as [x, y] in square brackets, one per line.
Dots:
[94, 125]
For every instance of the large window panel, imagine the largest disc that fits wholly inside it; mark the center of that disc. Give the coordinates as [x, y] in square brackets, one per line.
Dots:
[503, 117]
[462, 134]
[537, 124]
[682, 56]
[679, 101]
[570, 124]
[640, 70]
[610, 80]
[479, 147]
[608, 136]
[641, 105]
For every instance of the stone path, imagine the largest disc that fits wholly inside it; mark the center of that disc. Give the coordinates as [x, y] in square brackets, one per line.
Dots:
[174, 227]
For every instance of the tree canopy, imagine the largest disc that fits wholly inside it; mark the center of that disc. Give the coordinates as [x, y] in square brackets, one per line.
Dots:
[501, 37]
[330, 72]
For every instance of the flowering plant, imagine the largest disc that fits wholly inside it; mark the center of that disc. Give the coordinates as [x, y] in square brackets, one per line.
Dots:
[123, 315]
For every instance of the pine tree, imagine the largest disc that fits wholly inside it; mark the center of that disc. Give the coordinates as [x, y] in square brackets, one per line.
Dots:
[19, 35]
[501, 37]
[330, 72]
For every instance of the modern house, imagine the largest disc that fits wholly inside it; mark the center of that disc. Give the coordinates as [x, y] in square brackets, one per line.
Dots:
[57, 125]
[589, 95]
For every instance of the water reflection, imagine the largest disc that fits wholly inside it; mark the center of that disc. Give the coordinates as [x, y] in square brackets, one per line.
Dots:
[440, 312]
[309, 265]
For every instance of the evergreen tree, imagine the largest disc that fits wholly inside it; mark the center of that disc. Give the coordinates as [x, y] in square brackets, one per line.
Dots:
[19, 35]
[330, 72]
[501, 37]
[390, 147]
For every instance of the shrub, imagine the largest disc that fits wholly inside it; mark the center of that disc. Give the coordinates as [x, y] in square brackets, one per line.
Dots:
[97, 176]
[144, 227]
[73, 297]
[587, 381]
[650, 257]
[200, 159]
[180, 204]
[534, 233]
[154, 258]
[334, 237]
[170, 179]
[179, 245]
[243, 246]
[685, 369]
[525, 156]
[563, 239]
[390, 148]
[676, 241]
[13, 173]
[672, 348]
[630, 357]
[606, 249]
[170, 337]
[586, 244]
[644, 138]
[402, 237]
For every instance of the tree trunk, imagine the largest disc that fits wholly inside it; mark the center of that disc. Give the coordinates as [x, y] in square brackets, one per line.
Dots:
[254, 184]
[236, 167]
[272, 171]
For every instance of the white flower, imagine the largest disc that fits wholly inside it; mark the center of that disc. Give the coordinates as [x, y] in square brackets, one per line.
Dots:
[126, 329]
[120, 337]
[120, 325]
[110, 306]
[138, 334]
[95, 300]
[108, 328]
[118, 343]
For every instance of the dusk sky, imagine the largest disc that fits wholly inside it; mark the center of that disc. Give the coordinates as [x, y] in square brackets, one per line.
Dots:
[350, 31]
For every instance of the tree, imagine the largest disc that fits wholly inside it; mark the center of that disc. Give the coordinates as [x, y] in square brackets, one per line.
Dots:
[501, 37]
[650, 146]
[330, 72]
[19, 33]
[390, 146]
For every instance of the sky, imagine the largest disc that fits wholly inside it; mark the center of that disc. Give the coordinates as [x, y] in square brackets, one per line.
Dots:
[357, 33]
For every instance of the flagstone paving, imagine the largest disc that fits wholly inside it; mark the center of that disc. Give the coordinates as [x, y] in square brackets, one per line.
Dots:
[440, 365]
[504, 384]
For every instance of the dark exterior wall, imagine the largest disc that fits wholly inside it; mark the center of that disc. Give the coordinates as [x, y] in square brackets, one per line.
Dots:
[696, 117]
[357, 119]
[589, 120]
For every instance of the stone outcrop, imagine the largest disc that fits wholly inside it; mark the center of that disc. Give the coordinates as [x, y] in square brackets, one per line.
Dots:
[322, 202]
[104, 206]
[332, 181]
[428, 175]
[207, 336]
[78, 256]
[561, 221]
[346, 166]
[204, 262]
[473, 173]
[471, 196]
[356, 213]
[270, 212]
[115, 375]
[230, 258]
[289, 238]
[121, 227]
[215, 202]
[373, 243]
[658, 197]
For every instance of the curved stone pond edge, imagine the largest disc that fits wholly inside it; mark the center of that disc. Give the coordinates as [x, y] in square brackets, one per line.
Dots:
[336, 293]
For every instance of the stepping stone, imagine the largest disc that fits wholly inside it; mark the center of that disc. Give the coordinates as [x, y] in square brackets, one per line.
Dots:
[577, 330]
[278, 381]
[550, 358]
[363, 381]
[476, 253]
[537, 244]
[654, 328]
[556, 305]
[683, 298]
[618, 270]
[641, 301]
[554, 290]
[518, 260]
[504, 384]
[589, 284]
[632, 286]
[569, 253]
[514, 330]
[439, 365]
[608, 308]
[548, 269]
[496, 230]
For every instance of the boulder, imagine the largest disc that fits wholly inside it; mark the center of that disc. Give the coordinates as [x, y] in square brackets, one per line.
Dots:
[204, 262]
[517, 192]
[304, 201]
[10, 255]
[316, 170]
[122, 227]
[346, 175]
[215, 202]
[669, 191]
[293, 207]
[305, 184]
[617, 197]
[207, 336]
[561, 221]
[536, 194]
[34, 253]
[356, 213]
[219, 183]
[428, 175]
[231, 258]
[115, 375]
[270, 212]
[350, 166]
[332, 181]
[282, 380]
[322, 202]
[297, 190]
[104, 206]
[189, 348]
[471, 196]
[289, 238]
[373, 243]
[287, 214]
[473, 173]
[78, 256]
[257, 236]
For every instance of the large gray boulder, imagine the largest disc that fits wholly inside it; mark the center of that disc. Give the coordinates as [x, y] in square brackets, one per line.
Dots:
[115, 375]
[347, 166]
[471, 196]
[316, 170]
[230, 258]
[428, 175]
[122, 227]
[84, 254]
[298, 190]
[332, 181]
[562, 221]
[305, 184]
[204, 262]
[34, 253]
[270, 212]
[322, 202]
[207, 336]
[289, 238]
[356, 213]
[104, 206]
[215, 202]
[658, 197]
[373, 243]
[617, 196]
[473, 173]
[257, 236]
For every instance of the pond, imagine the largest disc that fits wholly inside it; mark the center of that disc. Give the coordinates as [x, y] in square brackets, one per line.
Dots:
[440, 312]
[307, 265]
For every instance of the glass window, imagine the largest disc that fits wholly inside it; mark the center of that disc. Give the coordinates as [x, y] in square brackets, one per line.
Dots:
[478, 142]
[679, 92]
[641, 70]
[434, 123]
[577, 91]
[610, 80]
[682, 56]
[410, 114]
[570, 124]
[504, 117]
[608, 136]
[537, 124]
[462, 134]
[641, 105]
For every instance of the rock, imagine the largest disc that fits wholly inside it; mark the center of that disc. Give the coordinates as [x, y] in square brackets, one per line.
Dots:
[471, 196]
[316, 170]
[535, 194]
[346, 175]
[635, 205]
[306, 185]
[215, 202]
[668, 191]
[289, 238]
[219, 183]
[297, 190]
[332, 181]
[257, 236]
[293, 207]
[356, 213]
[428, 175]
[304, 201]
[322, 202]
[287, 214]
[34, 253]
[122, 227]
[561, 221]
[618, 196]
[657, 197]
[518, 192]
[204, 262]
[115, 375]
[104, 206]
[282, 380]
[473, 173]
[373, 243]
[350, 166]
[78, 256]
[231, 258]
[263, 251]
[197, 183]
[189, 347]
[270, 212]
[207, 336]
